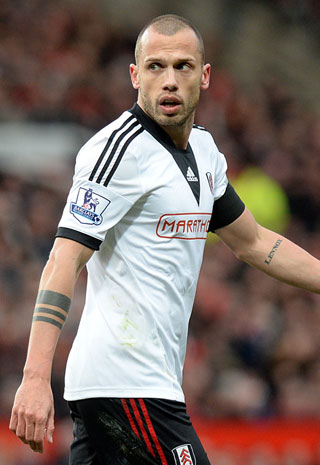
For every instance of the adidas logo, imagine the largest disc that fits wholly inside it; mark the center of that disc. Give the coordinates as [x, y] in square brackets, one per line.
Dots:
[190, 175]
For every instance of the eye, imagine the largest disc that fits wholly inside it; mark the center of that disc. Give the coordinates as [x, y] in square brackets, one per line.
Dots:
[183, 66]
[154, 66]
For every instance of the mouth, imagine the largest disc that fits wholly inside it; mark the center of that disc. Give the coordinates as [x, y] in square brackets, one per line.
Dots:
[170, 105]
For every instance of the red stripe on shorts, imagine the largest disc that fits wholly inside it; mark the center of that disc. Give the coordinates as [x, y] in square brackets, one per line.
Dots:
[152, 432]
[132, 423]
[142, 428]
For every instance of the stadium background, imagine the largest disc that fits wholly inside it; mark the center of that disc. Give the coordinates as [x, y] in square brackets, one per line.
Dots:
[252, 376]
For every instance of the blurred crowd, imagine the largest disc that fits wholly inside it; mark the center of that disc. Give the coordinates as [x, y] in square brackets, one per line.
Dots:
[254, 346]
[62, 62]
[300, 10]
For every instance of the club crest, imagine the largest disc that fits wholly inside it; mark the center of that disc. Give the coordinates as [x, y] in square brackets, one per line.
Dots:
[89, 206]
[184, 455]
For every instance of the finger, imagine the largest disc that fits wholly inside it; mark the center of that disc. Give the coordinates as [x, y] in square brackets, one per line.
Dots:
[36, 446]
[33, 446]
[50, 428]
[40, 447]
[38, 437]
[30, 431]
[13, 421]
[21, 427]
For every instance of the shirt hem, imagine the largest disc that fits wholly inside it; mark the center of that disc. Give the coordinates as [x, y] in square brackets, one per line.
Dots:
[120, 393]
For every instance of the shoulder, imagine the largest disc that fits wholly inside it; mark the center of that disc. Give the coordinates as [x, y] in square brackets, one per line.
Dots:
[200, 128]
[203, 140]
[201, 135]
[112, 134]
[201, 132]
[109, 145]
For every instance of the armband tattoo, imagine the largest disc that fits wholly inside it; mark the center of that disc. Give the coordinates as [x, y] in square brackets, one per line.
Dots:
[44, 311]
[54, 298]
[273, 251]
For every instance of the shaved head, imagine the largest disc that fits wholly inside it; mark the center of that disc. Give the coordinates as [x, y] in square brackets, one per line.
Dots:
[169, 25]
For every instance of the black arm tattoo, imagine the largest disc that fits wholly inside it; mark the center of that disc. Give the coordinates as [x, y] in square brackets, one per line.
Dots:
[54, 298]
[52, 321]
[55, 316]
[273, 251]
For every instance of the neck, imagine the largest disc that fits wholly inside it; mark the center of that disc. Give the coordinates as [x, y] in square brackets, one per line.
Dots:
[180, 134]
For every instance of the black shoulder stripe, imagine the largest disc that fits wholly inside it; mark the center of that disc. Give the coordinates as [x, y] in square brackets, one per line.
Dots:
[124, 148]
[111, 154]
[110, 140]
[196, 126]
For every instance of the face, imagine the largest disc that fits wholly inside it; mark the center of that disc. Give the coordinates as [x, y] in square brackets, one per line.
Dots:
[169, 76]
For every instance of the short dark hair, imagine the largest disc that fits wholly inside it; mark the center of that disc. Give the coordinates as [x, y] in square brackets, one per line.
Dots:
[169, 25]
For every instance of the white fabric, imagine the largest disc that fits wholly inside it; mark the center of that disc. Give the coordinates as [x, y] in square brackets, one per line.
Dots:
[132, 336]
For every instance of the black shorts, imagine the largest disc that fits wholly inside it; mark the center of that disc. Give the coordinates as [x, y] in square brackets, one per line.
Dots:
[113, 431]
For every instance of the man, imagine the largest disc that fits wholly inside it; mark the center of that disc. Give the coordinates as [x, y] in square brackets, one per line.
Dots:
[160, 185]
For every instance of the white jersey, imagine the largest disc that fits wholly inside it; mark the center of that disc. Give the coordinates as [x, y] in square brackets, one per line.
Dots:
[147, 207]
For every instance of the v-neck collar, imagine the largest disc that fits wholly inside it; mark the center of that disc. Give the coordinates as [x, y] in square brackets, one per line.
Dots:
[185, 159]
[157, 132]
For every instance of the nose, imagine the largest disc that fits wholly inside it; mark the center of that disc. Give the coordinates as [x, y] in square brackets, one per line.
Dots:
[170, 81]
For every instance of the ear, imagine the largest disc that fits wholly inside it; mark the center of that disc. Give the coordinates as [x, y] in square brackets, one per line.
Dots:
[134, 75]
[205, 80]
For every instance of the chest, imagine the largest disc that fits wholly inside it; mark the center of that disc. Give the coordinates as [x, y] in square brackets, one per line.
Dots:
[179, 182]
[179, 194]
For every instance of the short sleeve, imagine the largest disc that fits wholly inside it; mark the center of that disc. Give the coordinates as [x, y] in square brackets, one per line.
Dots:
[220, 178]
[95, 205]
[226, 209]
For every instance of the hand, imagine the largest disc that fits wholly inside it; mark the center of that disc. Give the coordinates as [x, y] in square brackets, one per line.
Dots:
[32, 417]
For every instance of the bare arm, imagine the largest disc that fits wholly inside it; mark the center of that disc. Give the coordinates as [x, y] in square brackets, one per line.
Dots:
[271, 253]
[33, 411]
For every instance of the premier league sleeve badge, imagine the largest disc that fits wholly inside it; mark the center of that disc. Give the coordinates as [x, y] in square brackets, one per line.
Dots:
[89, 206]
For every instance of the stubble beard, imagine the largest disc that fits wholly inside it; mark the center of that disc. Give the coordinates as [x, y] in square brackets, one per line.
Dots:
[177, 120]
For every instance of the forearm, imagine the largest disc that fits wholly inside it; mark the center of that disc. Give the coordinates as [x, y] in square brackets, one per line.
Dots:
[283, 260]
[52, 305]
[271, 253]
[50, 313]
[32, 416]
